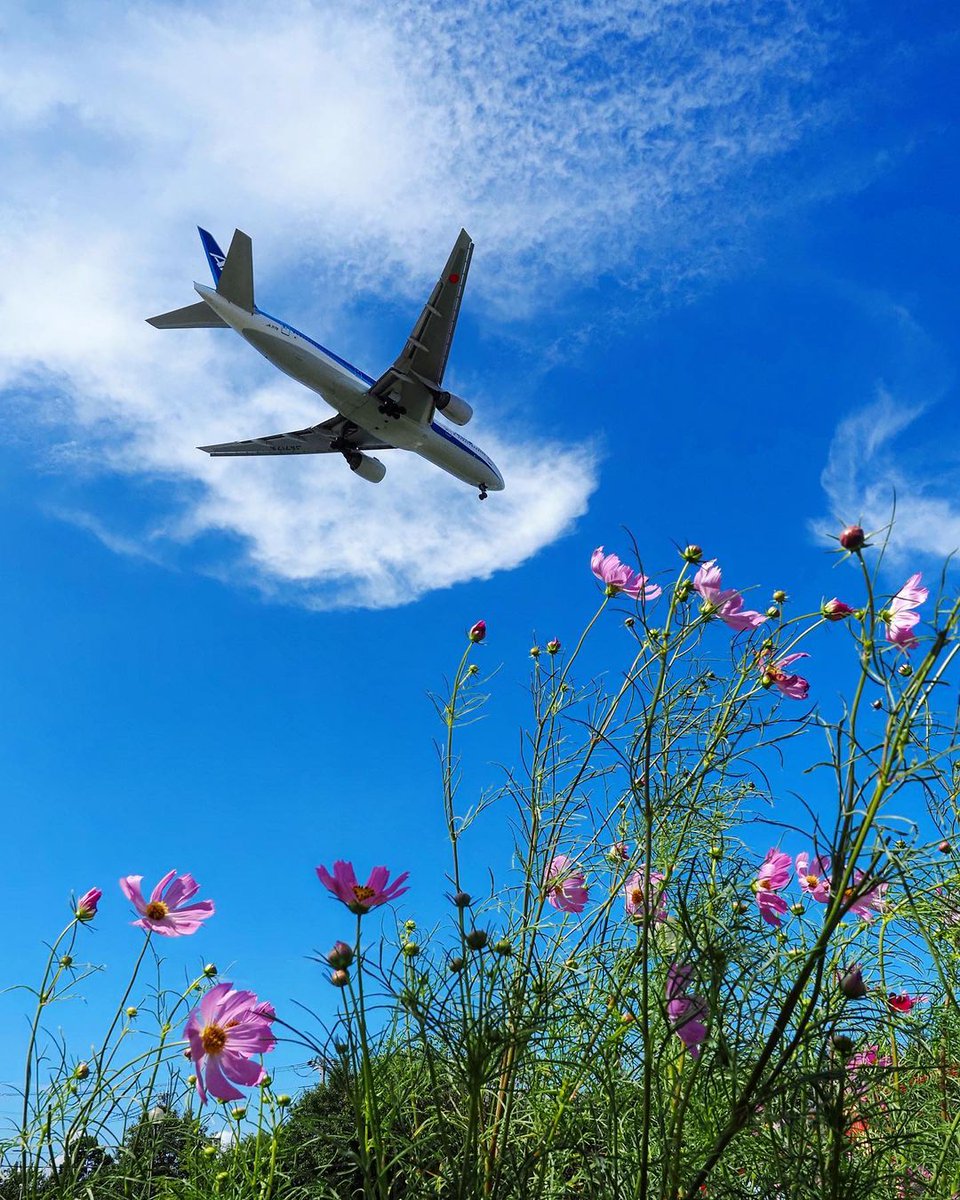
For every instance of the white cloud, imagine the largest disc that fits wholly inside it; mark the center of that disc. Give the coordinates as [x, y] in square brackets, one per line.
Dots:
[353, 141]
[873, 473]
[899, 455]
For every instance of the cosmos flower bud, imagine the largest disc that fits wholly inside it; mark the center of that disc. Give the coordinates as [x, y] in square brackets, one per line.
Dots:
[81, 1071]
[842, 1044]
[131, 1012]
[773, 612]
[476, 939]
[457, 964]
[853, 538]
[86, 908]
[691, 554]
[553, 646]
[619, 852]
[210, 970]
[340, 978]
[410, 949]
[283, 1100]
[905, 670]
[534, 651]
[478, 632]
[238, 1113]
[410, 926]
[944, 847]
[340, 956]
[473, 669]
[877, 704]
[835, 610]
[503, 947]
[779, 596]
[66, 960]
[852, 985]
[461, 900]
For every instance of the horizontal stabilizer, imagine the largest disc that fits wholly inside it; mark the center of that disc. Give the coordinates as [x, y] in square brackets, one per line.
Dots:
[194, 316]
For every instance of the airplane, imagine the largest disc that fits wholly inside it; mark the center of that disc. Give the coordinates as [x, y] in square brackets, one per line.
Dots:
[398, 410]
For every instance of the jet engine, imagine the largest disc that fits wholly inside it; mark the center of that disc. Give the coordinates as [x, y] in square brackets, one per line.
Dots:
[453, 408]
[368, 468]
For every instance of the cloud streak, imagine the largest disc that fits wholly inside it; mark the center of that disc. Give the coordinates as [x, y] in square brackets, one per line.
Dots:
[898, 455]
[353, 143]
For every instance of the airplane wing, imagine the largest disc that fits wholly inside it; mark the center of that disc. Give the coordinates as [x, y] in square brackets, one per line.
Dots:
[329, 437]
[417, 374]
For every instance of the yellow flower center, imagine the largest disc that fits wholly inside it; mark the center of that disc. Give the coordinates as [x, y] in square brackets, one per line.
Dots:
[765, 884]
[157, 910]
[362, 892]
[812, 881]
[636, 895]
[214, 1038]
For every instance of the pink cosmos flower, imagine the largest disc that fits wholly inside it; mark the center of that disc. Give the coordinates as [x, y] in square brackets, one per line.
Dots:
[618, 577]
[775, 674]
[835, 610]
[619, 852]
[899, 614]
[903, 1002]
[869, 903]
[566, 885]
[361, 897]
[167, 911]
[773, 875]
[814, 877]
[225, 1031]
[726, 603]
[871, 1057]
[633, 896]
[686, 1014]
[86, 908]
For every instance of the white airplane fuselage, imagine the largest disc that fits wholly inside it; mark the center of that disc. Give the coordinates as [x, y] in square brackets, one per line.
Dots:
[346, 389]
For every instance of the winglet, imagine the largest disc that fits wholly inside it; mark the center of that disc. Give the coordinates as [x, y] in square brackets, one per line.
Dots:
[215, 256]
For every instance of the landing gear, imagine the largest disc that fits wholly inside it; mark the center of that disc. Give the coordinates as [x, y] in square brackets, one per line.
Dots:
[390, 408]
[483, 492]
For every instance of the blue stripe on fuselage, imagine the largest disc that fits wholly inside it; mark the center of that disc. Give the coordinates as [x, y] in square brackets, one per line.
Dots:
[465, 445]
[361, 375]
[456, 439]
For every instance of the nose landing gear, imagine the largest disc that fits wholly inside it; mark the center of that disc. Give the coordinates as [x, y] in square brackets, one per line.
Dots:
[483, 492]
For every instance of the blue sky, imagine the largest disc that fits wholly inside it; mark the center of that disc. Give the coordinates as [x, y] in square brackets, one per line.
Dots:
[713, 299]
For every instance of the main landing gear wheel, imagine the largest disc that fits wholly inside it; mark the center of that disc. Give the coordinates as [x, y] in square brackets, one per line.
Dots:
[483, 492]
[390, 408]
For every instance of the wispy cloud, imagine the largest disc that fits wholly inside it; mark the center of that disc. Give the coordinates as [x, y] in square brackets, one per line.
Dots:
[899, 455]
[573, 142]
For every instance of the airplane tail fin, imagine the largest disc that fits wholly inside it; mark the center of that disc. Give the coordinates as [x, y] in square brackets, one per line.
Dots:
[215, 256]
[232, 273]
[236, 279]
